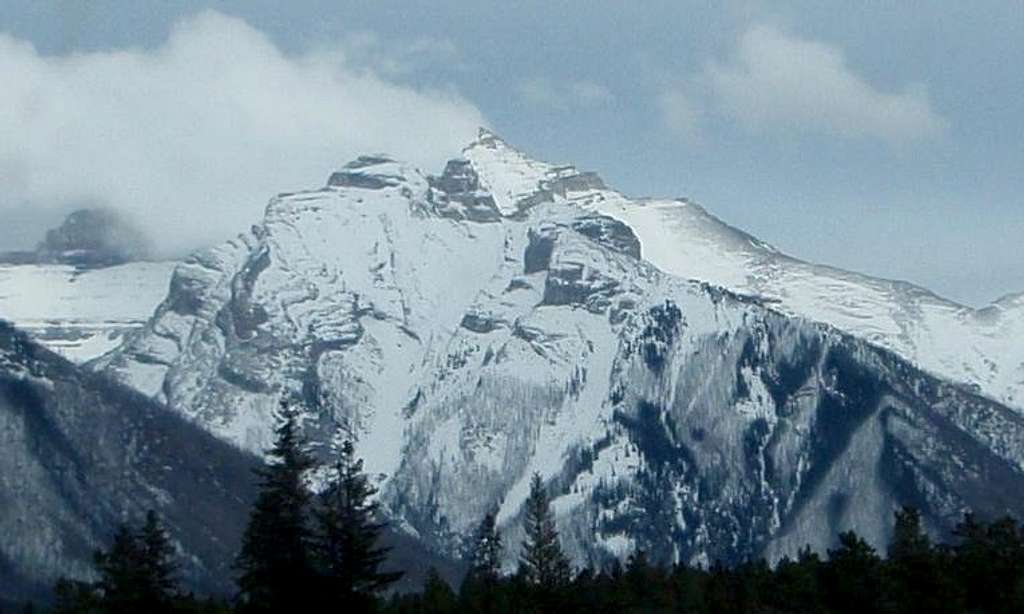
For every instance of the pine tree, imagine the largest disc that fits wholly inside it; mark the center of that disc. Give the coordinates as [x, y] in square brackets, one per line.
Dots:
[479, 587]
[137, 574]
[852, 576]
[438, 596]
[908, 539]
[347, 550]
[542, 563]
[485, 564]
[275, 563]
[918, 574]
[158, 572]
[121, 585]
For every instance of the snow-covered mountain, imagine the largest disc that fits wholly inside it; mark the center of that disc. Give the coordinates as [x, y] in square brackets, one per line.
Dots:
[509, 317]
[81, 313]
[979, 347]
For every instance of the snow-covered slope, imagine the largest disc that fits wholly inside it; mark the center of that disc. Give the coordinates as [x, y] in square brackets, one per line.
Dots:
[983, 348]
[81, 313]
[476, 327]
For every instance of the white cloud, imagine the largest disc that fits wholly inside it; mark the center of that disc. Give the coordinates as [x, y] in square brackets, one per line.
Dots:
[778, 81]
[194, 136]
[562, 96]
[680, 113]
[401, 58]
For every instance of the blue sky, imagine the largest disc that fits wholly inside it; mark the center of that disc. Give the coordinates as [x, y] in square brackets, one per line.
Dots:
[877, 136]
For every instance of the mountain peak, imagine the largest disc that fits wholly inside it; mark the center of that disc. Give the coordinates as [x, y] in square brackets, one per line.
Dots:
[487, 138]
[372, 172]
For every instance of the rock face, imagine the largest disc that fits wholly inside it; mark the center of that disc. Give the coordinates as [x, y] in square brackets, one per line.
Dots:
[511, 317]
[93, 237]
[79, 454]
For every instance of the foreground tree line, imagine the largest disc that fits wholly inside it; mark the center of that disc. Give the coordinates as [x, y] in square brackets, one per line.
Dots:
[303, 552]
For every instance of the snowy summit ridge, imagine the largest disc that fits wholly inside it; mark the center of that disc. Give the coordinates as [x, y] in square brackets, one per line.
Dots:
[666, 374]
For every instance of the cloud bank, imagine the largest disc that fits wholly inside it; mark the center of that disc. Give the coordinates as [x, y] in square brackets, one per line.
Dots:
[193, 137]
[776, 81]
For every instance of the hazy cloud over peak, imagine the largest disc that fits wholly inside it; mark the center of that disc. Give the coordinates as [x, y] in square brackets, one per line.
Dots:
[563, 95]
[194, 136]
[775, 80]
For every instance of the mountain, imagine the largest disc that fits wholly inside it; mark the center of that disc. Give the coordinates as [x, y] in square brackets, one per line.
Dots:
[81, 313]
[86, 285]
[978, 347]
[94, 237]
[508, 317]
[80, 454]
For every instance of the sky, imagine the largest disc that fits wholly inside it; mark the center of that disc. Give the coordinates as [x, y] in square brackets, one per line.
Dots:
[881, 137]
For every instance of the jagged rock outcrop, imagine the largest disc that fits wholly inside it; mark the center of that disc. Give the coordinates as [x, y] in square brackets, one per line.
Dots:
[510, 317]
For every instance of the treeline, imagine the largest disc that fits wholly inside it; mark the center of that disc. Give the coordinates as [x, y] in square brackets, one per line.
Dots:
[303, 552]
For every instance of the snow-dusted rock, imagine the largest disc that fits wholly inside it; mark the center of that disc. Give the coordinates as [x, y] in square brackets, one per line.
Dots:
[510, 317]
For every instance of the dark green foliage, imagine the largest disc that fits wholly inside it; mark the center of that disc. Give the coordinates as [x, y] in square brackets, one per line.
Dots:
[438, 596]
[981, 572]
[158, 569]
[479, 588]
[917, 574]
[852, 579]
[542, 563]
[137, 574]
[275, 563]
[988, 565]
[659, 334]
[346, 548]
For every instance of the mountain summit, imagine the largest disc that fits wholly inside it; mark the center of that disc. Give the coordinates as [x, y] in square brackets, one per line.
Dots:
[680, 386]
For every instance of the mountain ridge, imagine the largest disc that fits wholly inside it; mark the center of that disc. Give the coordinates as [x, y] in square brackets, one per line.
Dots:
[472, 328]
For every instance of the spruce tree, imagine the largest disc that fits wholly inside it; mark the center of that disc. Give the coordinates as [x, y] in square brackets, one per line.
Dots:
[438, 596]
[347, 550]
[852, 577]
[916, 572]
[120, 585]
[542, 564]
[158, 572]
[485, 563]
[479, 587]
[275, 562]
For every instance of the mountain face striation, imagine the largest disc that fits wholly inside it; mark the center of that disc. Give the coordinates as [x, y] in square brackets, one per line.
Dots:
[680, 386]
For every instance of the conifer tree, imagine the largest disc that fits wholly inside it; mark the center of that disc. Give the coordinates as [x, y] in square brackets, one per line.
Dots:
[275, 562]
[481, 581]
[485, 564]
[438, 596]
[137, 574]
[852, 576]
[542, 564]
[120, 585]
[347, 550]
[915, 572]
[908, 539]
[158, 573]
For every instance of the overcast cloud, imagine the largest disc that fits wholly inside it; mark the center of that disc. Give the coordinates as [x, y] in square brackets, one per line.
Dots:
[200, 131]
